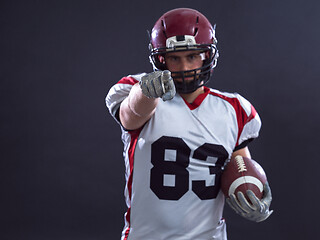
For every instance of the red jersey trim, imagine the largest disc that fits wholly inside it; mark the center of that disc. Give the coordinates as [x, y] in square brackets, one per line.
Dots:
[242, 117]
[134, 138]
[128, 80]
[197, 102]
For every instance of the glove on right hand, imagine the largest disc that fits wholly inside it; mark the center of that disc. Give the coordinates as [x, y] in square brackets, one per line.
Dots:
[158, 84]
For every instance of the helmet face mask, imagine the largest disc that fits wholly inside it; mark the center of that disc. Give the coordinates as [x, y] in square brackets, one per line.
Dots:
[195, 34]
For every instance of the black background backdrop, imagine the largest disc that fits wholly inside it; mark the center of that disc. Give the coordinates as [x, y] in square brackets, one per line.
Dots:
[62, 172]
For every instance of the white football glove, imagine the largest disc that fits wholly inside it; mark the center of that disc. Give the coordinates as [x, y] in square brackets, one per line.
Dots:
[158, 84]
[258, 211]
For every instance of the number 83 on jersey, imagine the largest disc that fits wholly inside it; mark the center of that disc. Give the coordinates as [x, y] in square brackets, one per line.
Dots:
[177, 168]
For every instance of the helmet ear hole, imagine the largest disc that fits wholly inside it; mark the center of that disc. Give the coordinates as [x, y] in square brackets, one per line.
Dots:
[161, 59]
[158, 62]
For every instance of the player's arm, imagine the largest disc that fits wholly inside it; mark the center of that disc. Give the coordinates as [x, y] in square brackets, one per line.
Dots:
[136, 109]
[244, 152]
[258, 210]
[143, 98]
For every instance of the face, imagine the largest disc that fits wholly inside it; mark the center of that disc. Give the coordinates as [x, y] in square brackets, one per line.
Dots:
[183, 61]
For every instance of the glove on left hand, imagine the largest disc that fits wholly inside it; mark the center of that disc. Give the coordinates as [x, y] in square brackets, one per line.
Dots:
[258, 211]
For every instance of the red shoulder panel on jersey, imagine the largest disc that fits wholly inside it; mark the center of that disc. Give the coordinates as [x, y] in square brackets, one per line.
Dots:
[127, 80]
[242, 117]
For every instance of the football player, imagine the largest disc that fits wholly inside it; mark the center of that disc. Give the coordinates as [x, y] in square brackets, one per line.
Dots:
[178, 135]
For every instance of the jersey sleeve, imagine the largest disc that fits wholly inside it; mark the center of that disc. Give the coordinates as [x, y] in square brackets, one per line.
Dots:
[249, 123]
[119, 92]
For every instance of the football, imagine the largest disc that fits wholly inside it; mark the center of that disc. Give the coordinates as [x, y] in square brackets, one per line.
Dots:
[242, 174]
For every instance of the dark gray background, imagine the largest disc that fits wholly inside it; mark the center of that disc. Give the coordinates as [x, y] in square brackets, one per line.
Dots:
[62, 172]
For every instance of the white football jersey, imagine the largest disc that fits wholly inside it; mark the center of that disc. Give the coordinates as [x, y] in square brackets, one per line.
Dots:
[174, 163]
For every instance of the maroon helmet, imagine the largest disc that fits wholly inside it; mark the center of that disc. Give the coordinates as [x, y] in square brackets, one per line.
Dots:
[184, 29]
